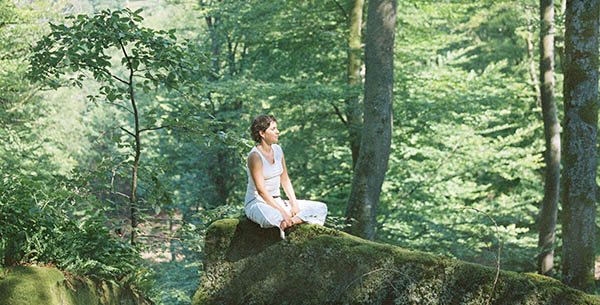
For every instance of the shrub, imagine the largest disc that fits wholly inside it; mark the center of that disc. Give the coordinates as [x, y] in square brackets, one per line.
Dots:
[37, 228]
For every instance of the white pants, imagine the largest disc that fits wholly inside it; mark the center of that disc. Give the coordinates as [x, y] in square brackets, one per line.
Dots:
[312, 212]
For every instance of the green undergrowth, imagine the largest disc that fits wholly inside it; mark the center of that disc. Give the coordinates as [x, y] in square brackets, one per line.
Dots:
[177, 279]
[315, 265]
[26, 285]
[37, 228]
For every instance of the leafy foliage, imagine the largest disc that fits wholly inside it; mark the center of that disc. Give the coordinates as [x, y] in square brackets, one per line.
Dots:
[37, 230]
[154, 56]
[178, 279]
[467, 131]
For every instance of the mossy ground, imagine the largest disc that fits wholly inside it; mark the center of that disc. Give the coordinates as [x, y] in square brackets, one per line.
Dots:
[315, 265]
[25, 285]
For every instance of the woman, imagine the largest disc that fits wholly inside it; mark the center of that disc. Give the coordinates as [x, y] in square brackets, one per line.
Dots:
[266, 173]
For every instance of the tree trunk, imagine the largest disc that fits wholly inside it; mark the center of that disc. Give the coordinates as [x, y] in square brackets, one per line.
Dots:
[136, 162]
[547, 222]
[375, 143]
[138, 149]
[531, 58]
[215, 46]
[353, 113]
[579, 143]
[559, 43]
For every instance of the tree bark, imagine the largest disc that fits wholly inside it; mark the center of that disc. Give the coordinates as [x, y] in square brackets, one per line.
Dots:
[138, 150]
[375, 142]
[531, 58]
[215, 43]
[353, 113]
[548, 213]
[559, 43]
[579, 143]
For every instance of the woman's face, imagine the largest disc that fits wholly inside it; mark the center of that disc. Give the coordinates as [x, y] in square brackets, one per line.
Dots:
[271, 135]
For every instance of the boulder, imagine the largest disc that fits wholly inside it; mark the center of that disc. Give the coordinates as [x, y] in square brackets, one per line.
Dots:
[245, 264]
[27, 285]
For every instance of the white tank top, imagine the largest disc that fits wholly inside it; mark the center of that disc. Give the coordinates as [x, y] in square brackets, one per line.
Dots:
[271, 173]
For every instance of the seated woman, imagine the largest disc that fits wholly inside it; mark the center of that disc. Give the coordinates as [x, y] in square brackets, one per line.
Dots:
[266, 173]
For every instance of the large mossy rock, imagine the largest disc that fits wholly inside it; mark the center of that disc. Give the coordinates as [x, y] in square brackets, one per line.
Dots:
[245, 264]
[24, 285]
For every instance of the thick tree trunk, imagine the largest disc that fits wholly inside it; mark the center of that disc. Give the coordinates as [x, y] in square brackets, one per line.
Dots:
[579, 143]
[547, 222]
[377, 128]
[353, 113]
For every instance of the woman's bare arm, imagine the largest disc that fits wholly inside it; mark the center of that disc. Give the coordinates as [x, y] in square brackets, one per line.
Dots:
[286, 183]
[255, 166]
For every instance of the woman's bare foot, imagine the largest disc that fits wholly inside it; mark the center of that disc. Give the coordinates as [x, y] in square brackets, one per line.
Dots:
[286, 224]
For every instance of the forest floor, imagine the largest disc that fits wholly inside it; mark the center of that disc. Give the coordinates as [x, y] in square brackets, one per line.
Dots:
[176, 274]
[157, 236]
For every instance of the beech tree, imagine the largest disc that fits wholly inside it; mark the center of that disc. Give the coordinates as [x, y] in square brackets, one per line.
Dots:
[373, 156]
[353, 113]
[579, 143]
[548, 213]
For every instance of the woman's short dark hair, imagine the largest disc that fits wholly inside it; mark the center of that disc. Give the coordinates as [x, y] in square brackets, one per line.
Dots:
[260, 123]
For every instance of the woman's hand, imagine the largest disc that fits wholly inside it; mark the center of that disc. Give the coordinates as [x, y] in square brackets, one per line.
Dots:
[295, 209]
[286, 222]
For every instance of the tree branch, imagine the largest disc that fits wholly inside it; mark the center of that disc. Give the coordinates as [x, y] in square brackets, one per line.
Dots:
[23, 101]
[160, 237]
[103, 133]
[127, 131]
[154, 128]
[121, 106]
[107, 72]
[121, 194]
[341, 8]
[339, 113]
[91, 67]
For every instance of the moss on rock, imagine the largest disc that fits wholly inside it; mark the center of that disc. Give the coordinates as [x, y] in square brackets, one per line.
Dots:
[23, 285]
[315, 265]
